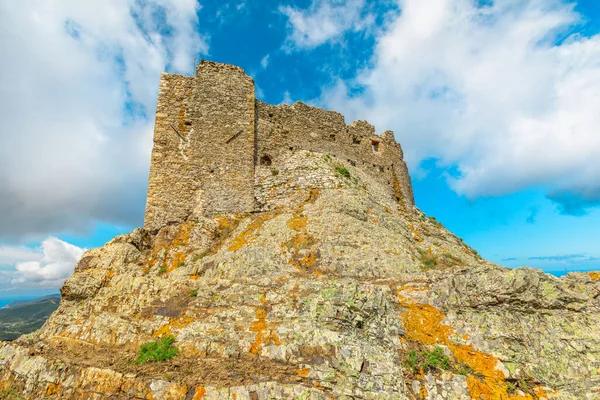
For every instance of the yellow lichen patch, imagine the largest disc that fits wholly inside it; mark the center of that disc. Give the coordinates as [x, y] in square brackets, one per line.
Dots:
[415, 234]
[200, 392]
[409, 287]
[225, 225]
[423, 323]
[265, 334]
[161, 252]
[174, 323]
[178, 260]
[297, 223]
[595, 276]
[247, 235]
[423, 392]
[175, 392]
[182, 238]
[300, 244]
[52, 389]
[540, 392]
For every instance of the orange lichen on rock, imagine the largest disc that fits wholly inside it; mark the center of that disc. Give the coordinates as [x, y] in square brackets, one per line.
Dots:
[174, 323]
[178, 259]
[540, 392]
[415, 233]
[175, 392]
[303, 372]
[595, 276]
[301, 245]
[265, 334]
[200, 392]
[423, 392]
[182, 238]
[247, 235]
[297, 223]
[423, 323]
[52, 389]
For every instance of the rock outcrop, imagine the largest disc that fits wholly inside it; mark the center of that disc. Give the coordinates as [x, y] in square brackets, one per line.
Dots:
[337, 290]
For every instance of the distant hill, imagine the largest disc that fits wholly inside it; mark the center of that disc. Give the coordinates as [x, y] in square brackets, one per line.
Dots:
[16, 303]
[26, 316]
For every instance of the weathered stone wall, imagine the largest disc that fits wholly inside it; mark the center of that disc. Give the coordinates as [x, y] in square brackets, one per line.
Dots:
[203, 155]
[284, 129]
[171, 185]
[223, 119]
[210, 134]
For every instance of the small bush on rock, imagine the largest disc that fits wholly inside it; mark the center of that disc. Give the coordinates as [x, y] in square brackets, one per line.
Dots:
[158, 351]
[343, 172]
[428, 360]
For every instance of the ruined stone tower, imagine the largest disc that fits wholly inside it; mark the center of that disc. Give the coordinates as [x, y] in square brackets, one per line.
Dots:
[211, 133]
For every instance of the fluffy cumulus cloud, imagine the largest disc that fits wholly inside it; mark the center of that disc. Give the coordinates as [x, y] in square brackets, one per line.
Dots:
[78, 86]
[56, 264]
[324, 21]
[507, 91]
[48, 266]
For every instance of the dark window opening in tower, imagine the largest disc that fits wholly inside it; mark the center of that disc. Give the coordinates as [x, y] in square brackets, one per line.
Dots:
[375, 146]
[265, 160]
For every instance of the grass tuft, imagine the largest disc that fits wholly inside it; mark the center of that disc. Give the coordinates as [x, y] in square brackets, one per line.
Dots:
[342, 172]
[428, 360]
[157, 351]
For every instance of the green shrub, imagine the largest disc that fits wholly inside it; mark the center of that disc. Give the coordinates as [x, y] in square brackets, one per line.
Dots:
[157, 351]
[342, 172]
[436, 358]
[428, 360]
[181, 264]
[429, 261]
[274, 172]
[464, 370]
[162, 270]
[413, 361]
[194, 293]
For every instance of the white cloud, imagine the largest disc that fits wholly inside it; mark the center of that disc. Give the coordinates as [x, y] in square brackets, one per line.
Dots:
[78, 88]
[325, 20]
[46, 267]
[264, 62]
[12, 254]
[287, 98]
[488, 89]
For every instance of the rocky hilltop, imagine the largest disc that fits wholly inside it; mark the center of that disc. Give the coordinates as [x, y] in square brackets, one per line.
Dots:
[326, 283]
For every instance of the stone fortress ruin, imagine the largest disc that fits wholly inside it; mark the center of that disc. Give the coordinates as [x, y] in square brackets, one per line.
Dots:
[212, 138]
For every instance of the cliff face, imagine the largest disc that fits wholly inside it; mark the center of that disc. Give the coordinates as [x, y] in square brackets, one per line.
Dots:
[338, 291]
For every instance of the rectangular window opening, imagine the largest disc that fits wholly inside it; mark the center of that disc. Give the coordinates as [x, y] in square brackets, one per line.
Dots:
[375, 146]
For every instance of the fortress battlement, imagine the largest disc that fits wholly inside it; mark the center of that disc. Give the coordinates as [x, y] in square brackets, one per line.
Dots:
[211, 134]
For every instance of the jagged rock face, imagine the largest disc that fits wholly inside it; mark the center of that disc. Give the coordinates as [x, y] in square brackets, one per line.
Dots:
[328, 294]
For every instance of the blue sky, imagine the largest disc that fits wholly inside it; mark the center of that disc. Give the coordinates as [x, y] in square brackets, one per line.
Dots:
[494, 103]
